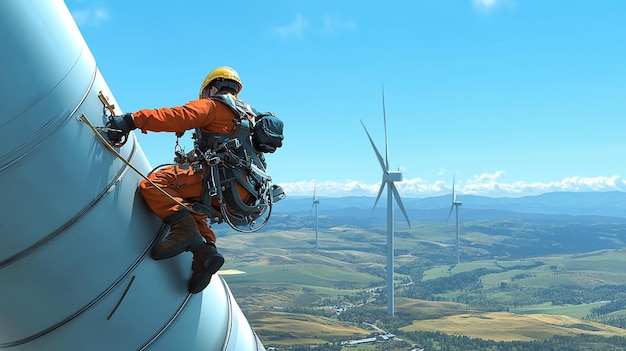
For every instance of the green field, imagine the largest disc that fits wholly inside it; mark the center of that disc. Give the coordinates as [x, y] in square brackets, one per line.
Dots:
[576, 311]
[288, 290]
[504, 326]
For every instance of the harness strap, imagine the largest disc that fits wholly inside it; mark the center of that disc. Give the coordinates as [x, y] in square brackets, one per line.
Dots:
[237, 166]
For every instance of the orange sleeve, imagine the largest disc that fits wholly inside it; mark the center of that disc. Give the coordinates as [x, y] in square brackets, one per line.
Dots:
[195, 114]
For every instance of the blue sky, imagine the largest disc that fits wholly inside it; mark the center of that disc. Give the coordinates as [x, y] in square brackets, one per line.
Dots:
[515, 97]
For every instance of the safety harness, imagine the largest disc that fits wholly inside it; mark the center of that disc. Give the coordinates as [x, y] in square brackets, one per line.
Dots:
[237, 188]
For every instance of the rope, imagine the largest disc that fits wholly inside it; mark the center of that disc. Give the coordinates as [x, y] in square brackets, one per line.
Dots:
[108, 146]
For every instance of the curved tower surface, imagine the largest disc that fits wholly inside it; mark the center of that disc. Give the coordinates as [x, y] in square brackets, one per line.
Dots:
[75, 235]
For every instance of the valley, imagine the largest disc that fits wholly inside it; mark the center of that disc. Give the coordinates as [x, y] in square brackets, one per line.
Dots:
[554, 279]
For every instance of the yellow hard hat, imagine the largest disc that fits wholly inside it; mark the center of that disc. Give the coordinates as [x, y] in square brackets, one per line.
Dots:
[221, 73]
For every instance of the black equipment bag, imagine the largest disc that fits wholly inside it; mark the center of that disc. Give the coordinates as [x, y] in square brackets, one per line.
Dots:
[268, 133]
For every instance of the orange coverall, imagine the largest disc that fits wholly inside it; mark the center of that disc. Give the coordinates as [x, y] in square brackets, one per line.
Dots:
[185, 185]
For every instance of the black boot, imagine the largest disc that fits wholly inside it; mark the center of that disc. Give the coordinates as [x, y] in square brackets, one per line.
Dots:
[183, 236]
[206, 262]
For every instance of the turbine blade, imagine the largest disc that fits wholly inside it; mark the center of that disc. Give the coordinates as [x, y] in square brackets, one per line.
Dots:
[313, 202]
[399, 200]
[451, 208]
[380, 192]
[453, 194]
[386, 140]
[380, 158]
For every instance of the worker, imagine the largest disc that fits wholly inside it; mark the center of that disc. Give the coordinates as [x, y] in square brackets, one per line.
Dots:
[213, 113]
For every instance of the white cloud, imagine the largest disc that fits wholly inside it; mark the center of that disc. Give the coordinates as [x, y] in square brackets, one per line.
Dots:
[334, 23]
[337, 189]
[329, 24]
[485, 5]
[93, 16]
[487, 177]
[487, 184]
[293, 29]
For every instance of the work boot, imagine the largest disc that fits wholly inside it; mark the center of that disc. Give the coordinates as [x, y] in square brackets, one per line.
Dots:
[183, 236]
[206, 262]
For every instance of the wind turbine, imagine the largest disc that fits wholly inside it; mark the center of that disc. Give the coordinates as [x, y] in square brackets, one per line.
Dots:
[389, 177]
[315, 203]
[455, 204]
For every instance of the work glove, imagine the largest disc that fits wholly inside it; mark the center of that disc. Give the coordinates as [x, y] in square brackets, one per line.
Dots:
[119, 126]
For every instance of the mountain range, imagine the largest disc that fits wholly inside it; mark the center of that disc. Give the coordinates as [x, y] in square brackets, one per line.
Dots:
[590, 204]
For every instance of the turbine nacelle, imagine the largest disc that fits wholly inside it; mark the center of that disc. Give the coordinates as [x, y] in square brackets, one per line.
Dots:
[392, 176]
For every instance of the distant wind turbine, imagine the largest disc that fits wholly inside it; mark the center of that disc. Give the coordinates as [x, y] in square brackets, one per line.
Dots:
[389, 177]
[455, 204]
[315, 203]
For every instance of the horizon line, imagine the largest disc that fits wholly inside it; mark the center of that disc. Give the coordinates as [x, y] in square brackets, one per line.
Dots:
[488, 185]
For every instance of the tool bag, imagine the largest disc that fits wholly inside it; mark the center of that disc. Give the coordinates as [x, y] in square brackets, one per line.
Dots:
[268, 133]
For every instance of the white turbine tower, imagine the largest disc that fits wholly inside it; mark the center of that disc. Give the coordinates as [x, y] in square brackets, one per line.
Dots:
[455, 204]
[315, 203]
[389, 177]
